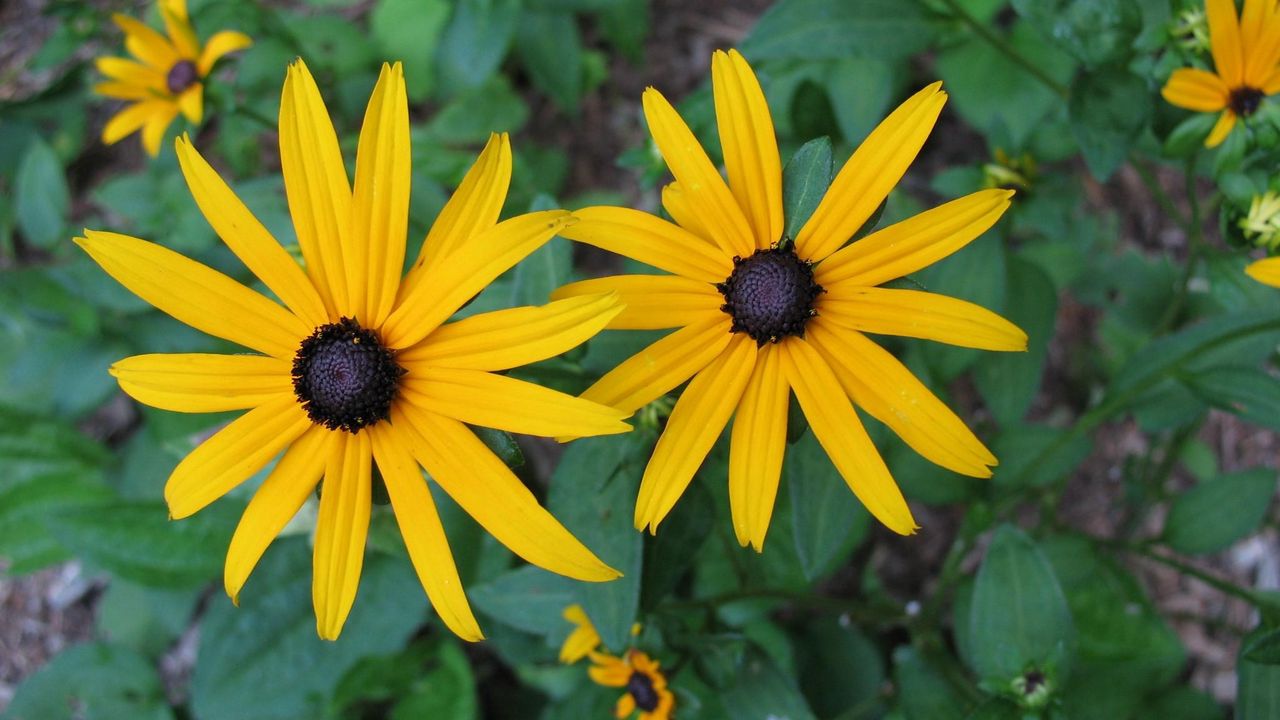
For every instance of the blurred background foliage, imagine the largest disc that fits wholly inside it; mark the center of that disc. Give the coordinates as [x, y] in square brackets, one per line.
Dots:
[1122, 563]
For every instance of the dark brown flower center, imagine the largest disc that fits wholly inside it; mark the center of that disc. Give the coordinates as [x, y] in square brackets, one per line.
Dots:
[770, 295]
[344, 378]
[641, 688]
[1245, 100]
[181, 76]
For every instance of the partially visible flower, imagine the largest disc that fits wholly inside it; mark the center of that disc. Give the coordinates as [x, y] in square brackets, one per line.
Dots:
[1246, 60]
[584, 638]
[1010, 173]
[1191, 30]
[168, 77]
[1262, 225]
[646, 685]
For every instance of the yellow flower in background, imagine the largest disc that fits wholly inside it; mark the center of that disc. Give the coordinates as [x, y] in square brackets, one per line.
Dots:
[643, 679]
[584, 638]
[1246, 59]
[1261, 226]
[358, 365]
[167, 77]
[762, 315]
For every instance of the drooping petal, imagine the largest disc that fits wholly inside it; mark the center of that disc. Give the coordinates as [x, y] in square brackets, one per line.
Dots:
[133, 73]
[884, 387]
[315, 183]
[1196, 89]
[247, 238]
[652, 302]
[918, 314]
[222, 43]
[756, 446]
[584, 638]
[608, 670]
[199, 383]
[195, 294]
[1221, 129]
[505, 403]
[467, 271]
[750, 146]
[123, 91]
[341, 529]
[1224, 40]
[487, 490]
[157, 123]
[654, 371]
[650, 240]
[145, 43]
[696, 421]
[505, 339]
[176, 23]
[232, 454]
[868, 176]
[423, 533]
[1266, 271]
[698, 178]
[275, 503]
[380, 202]
[678, 205]
[837, 428]
[191, 103]
[130, 119]
[914, 243]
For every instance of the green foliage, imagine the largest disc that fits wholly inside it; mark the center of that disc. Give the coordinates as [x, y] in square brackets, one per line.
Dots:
[1218, 512]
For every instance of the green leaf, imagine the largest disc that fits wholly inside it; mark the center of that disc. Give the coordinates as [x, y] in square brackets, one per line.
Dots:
[1107, 110]
[1094, 31]
[473, 114]
[1249, 392]
[805, 180]
[264, 660]
[761, 690]
[819, 29]
[625, 24]
[1008, 381]
[1181, 703]
[92, 681]
[446, 692]
[550, 47]
[924, 692]
[976, 273]
[544, 270]
[839, 667]
[1188, 137]
[138, 542]
[1258, 689]
[41, 198]
[145, 619]
[1214, 514]
[409, 30]
[1263, 648]
[669, 554]
[25, 503]
[827, 522]
[1019, 620]
[502, 445]
[528, 598]
[475, 41]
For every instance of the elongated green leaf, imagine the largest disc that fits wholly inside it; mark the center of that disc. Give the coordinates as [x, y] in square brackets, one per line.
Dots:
[1108, 109]
[976, 273]
[1008, 381]
[827, 523]
[817, 29]
[839, 667]
[1264, 648]
[1216, 513]
[1258, 689]
[1037, 455]
[41, 198]
[805, 180]
[93, 680]
[445, 692]
[409, 31]
[762, 690]
[528, 599]
[1249, 392]
[550, 47]
[475, 41]
[25, 503]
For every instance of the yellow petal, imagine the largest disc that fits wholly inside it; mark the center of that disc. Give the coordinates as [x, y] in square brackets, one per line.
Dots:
[191, 103]
[918, 314]
[133, 73]
[699, 415]
[130, 119]
[716, 206]
[654, 371]
[467, 271]
[315, 182]
[123, 91]
[222, 42]
[650, 240]
[204, 383]
[1265, 271]
[914, 243]
[275, 503]
[487, 490]
[145, 43]
[179, 28]
[1252, 19]
[579, 643]
[681, 209]
[884, 387]
[756, 446]
[837, 428]
[197, 295]
[341, 529]
[1272, 84]
[1262, 47]
[233, 454]
[423, 533]
[1196, 89]
[153, 132]
[380, 201]
[247, 238]
[625, 706]
[868, 176]
[750, 146]
[608, 670]
[1221, 129]
[505, 339]
[1224, 40]
[652, 302]
[504, 403]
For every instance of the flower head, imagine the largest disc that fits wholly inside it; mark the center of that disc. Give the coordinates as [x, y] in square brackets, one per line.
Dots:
[167, 77]
[1246, 60]
[761, 316]
[646, 686]
[358, 365]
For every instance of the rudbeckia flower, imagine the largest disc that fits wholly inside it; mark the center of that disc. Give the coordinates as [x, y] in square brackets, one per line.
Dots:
[761, 315]
[645, 684]
[1246, 60]
[167, 78]
[356, 365]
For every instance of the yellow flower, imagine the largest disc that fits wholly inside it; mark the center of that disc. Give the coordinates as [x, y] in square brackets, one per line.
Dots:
[584, 638]
[359, 366]
[642, 677]
[1262, 225]
[167, 80]
[761, 315]
[1246, 56]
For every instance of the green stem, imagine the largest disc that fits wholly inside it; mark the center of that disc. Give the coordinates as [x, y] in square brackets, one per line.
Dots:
[1223, 586]
[1195, 251]
[1008, 50]
[1158, 193]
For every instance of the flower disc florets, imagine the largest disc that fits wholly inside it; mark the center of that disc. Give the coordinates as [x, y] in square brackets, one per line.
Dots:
[181, 76]
[344, 378]
[770, 294]
[1245, 100]
[640, 686]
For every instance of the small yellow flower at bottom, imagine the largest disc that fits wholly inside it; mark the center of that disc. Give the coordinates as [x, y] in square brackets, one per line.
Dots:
[642, 677]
